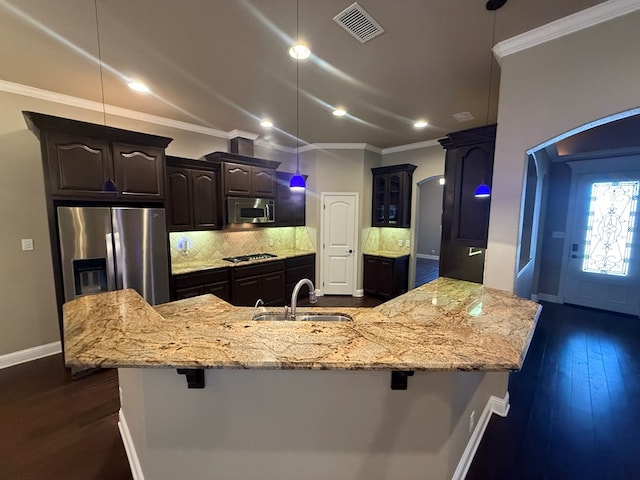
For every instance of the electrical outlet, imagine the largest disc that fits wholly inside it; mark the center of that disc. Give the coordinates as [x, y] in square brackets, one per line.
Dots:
[407, 243]
[27, 244]
[472, 421]
[399, 243]
[271, 242]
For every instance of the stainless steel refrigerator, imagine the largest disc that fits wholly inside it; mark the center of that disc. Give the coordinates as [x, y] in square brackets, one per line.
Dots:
[111, 248]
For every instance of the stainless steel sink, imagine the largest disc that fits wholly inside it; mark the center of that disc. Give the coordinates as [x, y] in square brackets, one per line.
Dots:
[303, 317]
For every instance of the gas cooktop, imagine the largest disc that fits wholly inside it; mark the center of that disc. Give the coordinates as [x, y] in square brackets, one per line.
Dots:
[252, 256]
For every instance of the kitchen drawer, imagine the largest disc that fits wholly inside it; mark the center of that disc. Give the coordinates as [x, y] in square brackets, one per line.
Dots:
[258, 269]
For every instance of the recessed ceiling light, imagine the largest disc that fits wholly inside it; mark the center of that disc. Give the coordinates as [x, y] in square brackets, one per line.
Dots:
[339, 112]
[138, 87]
[266, 123]
[420, 124]
[299, 51]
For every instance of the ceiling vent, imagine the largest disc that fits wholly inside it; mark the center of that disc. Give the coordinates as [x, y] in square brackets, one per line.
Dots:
[359, 23]
[463, 116]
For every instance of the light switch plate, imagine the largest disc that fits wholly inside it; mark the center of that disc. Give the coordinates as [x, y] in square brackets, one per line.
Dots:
[399, 243]
[27, 244]
[407, 243]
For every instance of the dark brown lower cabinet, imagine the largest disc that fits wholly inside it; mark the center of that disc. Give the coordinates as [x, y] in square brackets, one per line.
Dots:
[273, 282]
[296, 269]
[385, 277]
[262, 281]
[215, 281]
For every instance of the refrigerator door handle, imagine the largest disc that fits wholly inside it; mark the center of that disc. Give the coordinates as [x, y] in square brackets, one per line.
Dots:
[111, 274]
[119, 261]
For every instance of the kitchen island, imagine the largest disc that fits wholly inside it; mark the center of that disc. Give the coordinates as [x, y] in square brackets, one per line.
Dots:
[305, 399]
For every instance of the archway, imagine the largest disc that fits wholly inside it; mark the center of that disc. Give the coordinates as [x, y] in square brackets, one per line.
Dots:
[607, 148]
[428, 228]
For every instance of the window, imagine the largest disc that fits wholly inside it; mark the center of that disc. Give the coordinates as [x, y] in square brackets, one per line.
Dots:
[610, 225]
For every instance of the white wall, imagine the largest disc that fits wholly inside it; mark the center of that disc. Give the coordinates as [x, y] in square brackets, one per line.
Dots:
[545, 91]
[313, 425]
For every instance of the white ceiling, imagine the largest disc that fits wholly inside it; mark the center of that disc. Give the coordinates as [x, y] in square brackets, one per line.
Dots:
[223, 64]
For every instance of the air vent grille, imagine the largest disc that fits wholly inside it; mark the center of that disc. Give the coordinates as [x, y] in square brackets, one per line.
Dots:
[463, 116]
[357, 21]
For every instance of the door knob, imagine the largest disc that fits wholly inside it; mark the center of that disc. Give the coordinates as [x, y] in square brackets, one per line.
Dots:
[350, 251]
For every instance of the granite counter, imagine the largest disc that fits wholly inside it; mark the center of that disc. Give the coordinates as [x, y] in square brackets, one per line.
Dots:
[444, 325]
[195, 266]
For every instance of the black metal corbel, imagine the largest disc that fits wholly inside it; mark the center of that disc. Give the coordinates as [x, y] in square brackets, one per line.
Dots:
[195, 376]
[399, 379]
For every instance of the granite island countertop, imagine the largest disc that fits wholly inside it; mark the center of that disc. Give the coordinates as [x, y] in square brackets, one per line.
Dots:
[443, 325]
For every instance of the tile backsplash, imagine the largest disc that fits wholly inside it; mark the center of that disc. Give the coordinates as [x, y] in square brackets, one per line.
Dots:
[204, 246]
[386, 239]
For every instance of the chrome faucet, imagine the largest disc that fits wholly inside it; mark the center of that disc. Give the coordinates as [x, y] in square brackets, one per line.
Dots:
[296, 290]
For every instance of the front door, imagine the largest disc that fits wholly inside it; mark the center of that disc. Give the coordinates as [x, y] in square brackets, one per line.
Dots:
[604, 255]
[339, 243]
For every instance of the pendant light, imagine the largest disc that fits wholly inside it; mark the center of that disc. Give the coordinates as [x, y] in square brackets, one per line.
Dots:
[297, 183]
[108, 185]
[483, 190]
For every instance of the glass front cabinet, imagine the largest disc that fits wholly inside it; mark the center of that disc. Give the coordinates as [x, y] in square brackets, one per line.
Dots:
[392, 196]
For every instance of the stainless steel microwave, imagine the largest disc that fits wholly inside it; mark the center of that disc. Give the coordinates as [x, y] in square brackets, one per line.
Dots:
[250, 210]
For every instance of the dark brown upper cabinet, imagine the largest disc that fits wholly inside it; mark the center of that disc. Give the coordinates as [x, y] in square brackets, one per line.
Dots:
[465, 218]
[468, 163]
[85, 161]
[290, 206]
[78, 166]
[391, 206]
[139, 171]
[244, 176]
[193, 195]
[248, 180]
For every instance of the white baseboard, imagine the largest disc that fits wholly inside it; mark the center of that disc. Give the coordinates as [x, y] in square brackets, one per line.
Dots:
[28, 354]
[547, 297]
[359, 293]
[427, 256]
[132, 455]
[497, 405]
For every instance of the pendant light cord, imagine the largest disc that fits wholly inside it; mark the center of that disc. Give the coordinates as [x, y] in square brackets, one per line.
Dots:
[104, 109]
[297, 92]
[493, 39]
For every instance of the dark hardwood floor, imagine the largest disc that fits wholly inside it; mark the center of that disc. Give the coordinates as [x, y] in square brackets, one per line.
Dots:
[575, 405]
[54, 427]
[426, 270]
[574, 409]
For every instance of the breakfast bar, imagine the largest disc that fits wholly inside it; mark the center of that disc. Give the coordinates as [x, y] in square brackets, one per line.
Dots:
[305, 399]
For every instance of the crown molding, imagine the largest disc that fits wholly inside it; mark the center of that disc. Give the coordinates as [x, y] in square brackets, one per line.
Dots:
[595, 15]
[340, 146]
[242, 133]
[410, 146]
[55, 97]
[49, 96]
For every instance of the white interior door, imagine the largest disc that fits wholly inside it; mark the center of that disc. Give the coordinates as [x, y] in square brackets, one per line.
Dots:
[339, 243]
[604, 256]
